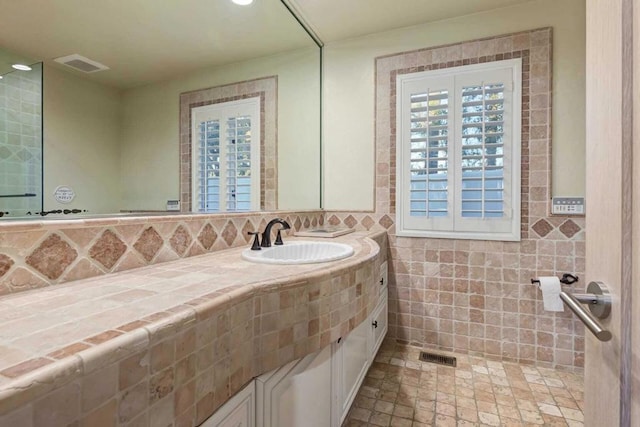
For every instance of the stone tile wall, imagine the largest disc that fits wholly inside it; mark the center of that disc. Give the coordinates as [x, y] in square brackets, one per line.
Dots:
[35, 254]
[476, 296]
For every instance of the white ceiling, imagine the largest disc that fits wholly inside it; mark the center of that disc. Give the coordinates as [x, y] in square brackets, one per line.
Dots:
[335, 20]
[153, 40]
[147, 40]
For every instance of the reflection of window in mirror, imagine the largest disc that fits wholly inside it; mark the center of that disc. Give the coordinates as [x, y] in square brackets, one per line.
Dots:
[225, 154]
[264, 150]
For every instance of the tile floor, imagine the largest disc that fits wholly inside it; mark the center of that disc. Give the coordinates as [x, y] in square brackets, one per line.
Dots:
[402, 391]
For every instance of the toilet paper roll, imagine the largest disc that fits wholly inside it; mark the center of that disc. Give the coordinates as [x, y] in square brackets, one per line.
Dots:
[550, 286]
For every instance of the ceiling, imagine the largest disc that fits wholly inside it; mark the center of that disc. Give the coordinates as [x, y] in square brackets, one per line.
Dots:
[149, 40]
[335, 20]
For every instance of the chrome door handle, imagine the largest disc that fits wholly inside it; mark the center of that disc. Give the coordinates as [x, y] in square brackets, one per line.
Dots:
[599, 301]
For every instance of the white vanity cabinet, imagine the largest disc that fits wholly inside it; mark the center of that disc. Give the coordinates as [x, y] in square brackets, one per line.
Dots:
[383, 277]
[354, 353]
[239, 411]
[297, 394]
[379, 324]
[380, 315]
[317, 390]
[352, 359]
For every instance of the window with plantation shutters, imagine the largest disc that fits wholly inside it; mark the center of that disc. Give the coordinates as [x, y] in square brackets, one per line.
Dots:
[458, 152]
[226, 156]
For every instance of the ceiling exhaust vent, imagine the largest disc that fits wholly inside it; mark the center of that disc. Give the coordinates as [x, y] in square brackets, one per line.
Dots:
[80, 63]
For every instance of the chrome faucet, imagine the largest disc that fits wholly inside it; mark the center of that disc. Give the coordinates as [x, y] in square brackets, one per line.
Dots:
[266, 236]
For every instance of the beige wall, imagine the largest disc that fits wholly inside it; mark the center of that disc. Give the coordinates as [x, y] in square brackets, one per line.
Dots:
[151, 128]
[81, 142]
[349, 93]
[119, 150]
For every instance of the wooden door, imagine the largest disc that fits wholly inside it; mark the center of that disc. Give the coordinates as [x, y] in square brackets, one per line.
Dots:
[613, 176]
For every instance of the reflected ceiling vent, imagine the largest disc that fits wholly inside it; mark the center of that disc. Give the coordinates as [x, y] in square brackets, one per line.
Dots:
[80, 63]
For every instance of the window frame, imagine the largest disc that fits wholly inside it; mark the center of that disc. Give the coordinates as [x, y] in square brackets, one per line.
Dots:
[222, 111]
[454, 226]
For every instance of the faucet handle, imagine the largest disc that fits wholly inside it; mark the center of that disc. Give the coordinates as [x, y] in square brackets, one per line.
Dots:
[279, 238]
[256, 241]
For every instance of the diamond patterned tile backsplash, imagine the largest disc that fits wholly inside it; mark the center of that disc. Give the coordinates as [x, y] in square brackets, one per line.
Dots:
[52, 257]
[542, 227]
[38, 254]
[108, 249]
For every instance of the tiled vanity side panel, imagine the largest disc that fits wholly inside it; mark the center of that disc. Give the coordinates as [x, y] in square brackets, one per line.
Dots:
[195, 356]
[38, 254]
[476, 296]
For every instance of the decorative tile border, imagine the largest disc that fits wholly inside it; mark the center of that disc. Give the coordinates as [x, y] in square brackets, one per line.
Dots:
[524, 150]
[39, 254]
[475, 296]
[266, 89]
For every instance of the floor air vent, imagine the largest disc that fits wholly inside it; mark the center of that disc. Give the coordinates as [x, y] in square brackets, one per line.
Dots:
[438, 358]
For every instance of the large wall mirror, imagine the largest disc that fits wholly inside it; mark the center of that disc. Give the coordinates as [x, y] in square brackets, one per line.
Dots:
[115, 75]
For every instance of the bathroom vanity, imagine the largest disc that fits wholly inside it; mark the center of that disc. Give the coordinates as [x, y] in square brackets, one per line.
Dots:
[177, 342]
[316, 390]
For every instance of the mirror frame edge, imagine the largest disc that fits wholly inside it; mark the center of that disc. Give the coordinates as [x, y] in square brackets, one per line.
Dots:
[294, 10]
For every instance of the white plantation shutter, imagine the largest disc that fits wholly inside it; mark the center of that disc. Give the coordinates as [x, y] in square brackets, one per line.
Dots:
[239, 163]
[489, 152]
[226, 156]
[206, 181]
[427, 152]
[458, 152]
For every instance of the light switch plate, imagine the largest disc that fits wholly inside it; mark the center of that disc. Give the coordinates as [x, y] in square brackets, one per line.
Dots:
[567, 205]
[173, 205]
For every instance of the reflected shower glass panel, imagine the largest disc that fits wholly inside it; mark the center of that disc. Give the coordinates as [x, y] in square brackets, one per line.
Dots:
[21, 142]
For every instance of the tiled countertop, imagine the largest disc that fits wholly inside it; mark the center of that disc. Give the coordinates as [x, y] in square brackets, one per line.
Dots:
[50, 335]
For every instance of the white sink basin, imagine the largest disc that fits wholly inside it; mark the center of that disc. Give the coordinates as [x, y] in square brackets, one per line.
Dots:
[299, 252]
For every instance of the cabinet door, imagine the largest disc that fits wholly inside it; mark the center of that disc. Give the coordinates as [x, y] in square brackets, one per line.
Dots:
[379, 324]
[239, 411]
[352, 361]
[298, 394]
[383, 278]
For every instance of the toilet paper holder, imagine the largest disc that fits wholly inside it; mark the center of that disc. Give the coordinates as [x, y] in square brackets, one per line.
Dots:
[597, 297]
[567, 279]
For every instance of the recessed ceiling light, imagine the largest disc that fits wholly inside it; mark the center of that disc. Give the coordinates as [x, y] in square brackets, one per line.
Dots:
[21, 67]
[242, 2]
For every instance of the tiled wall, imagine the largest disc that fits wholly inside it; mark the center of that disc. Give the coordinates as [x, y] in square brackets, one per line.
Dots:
[21, 140]
[37, 254]
[476, 296]
[267, 90]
